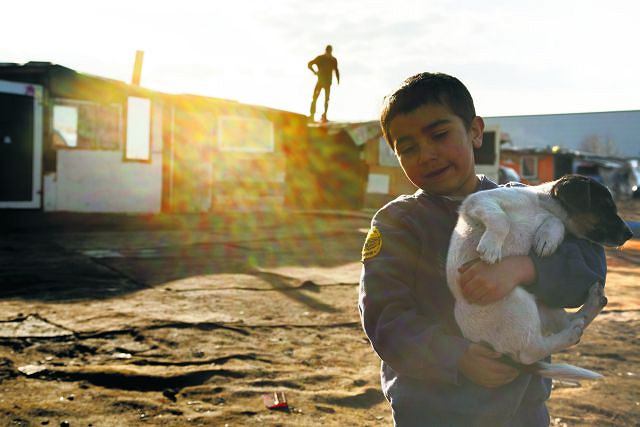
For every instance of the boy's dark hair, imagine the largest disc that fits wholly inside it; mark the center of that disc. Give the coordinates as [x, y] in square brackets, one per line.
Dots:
[423, 89]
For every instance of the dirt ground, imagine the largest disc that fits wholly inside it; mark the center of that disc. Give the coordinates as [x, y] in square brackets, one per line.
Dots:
[173, 321]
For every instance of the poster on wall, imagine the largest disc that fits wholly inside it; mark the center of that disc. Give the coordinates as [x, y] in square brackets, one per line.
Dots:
[378, 183]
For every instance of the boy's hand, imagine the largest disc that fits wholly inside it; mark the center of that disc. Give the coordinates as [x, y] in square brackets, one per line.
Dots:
[478, 364]
[483, 283]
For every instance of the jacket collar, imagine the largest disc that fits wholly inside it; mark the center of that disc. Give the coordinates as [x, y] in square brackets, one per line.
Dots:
[484, 183]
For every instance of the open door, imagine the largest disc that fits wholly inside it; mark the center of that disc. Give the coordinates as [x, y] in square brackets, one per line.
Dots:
[20, 145]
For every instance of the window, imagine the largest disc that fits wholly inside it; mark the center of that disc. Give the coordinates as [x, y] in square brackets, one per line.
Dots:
[529, 167]
[65, 126]
[138, 129]
[86, 125]
[245, 134]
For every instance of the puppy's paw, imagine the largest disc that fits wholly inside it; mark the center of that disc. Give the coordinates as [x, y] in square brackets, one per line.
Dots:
[489, 249]
[596, 294]
[548, 236]
[545, 243]
[576, 329]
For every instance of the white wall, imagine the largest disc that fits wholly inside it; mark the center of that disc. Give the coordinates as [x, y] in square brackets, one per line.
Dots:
[101, 181]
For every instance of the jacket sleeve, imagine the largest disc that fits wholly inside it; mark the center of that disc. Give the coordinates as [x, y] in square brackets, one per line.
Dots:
[565, 277]
[411, 343]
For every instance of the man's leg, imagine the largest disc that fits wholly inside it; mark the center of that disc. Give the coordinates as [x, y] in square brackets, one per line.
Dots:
[327, 93]
[316, 93]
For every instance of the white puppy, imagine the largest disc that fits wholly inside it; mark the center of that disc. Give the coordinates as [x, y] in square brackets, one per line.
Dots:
[511, 221]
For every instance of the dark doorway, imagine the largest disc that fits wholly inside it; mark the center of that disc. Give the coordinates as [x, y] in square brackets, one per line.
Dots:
[16, 148]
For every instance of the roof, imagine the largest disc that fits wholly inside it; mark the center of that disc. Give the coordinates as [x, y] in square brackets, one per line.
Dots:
[359, 132]
[580, 113]
[42, 67]
[209, 99]
[538, 150]
[608, 161]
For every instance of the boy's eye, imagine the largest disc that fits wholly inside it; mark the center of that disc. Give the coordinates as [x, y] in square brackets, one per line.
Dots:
[440, 135]
[406, 149]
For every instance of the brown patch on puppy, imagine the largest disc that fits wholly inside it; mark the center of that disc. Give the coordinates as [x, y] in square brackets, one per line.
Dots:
[583, 223]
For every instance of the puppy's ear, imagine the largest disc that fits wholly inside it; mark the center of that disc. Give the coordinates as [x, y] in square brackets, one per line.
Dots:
[573, 192]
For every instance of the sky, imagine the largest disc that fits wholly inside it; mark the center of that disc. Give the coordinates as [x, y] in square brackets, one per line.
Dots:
[516, 57]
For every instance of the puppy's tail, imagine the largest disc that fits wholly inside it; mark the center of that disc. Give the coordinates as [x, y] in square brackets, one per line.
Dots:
[561, 371]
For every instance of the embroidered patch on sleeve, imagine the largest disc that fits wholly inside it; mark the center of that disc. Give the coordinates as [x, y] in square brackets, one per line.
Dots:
[372, 244]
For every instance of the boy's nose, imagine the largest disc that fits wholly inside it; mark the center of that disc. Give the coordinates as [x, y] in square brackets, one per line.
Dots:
[427, 151]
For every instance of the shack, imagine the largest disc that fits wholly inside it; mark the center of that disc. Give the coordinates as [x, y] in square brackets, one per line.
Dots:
[93, 144]
[385, 180]
[82, 143]
[224, 155]
[327, 169]
[537, 165]
[350, 165]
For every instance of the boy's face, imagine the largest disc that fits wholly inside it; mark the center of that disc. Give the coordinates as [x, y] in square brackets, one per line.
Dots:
[436, 150]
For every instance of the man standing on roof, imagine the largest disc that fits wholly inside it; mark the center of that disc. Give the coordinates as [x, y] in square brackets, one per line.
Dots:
[326, 65]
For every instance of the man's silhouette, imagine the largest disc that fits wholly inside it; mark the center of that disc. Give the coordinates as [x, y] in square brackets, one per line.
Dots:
[326, 65]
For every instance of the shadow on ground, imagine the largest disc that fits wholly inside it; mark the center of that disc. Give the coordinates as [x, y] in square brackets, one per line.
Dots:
[40, 266]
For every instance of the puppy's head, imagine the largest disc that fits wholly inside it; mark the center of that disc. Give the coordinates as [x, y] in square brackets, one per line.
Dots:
[592, 213]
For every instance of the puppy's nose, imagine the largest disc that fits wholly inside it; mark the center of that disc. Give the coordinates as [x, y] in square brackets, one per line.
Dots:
[627, 234]
[624, 232]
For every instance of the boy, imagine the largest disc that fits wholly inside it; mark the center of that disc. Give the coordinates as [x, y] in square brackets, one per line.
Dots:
[430, 374]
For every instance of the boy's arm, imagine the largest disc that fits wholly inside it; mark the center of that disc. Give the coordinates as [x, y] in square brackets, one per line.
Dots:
[565, 277]
[562, 279]
[412, 344]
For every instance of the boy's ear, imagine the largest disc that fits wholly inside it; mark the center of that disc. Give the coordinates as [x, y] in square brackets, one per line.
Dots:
[477, 131]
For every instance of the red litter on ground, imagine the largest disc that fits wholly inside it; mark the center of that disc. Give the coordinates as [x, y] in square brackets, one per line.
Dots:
[275, 400]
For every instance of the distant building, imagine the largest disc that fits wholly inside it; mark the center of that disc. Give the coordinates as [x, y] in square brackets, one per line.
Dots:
[617, 132]
[539, 165]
